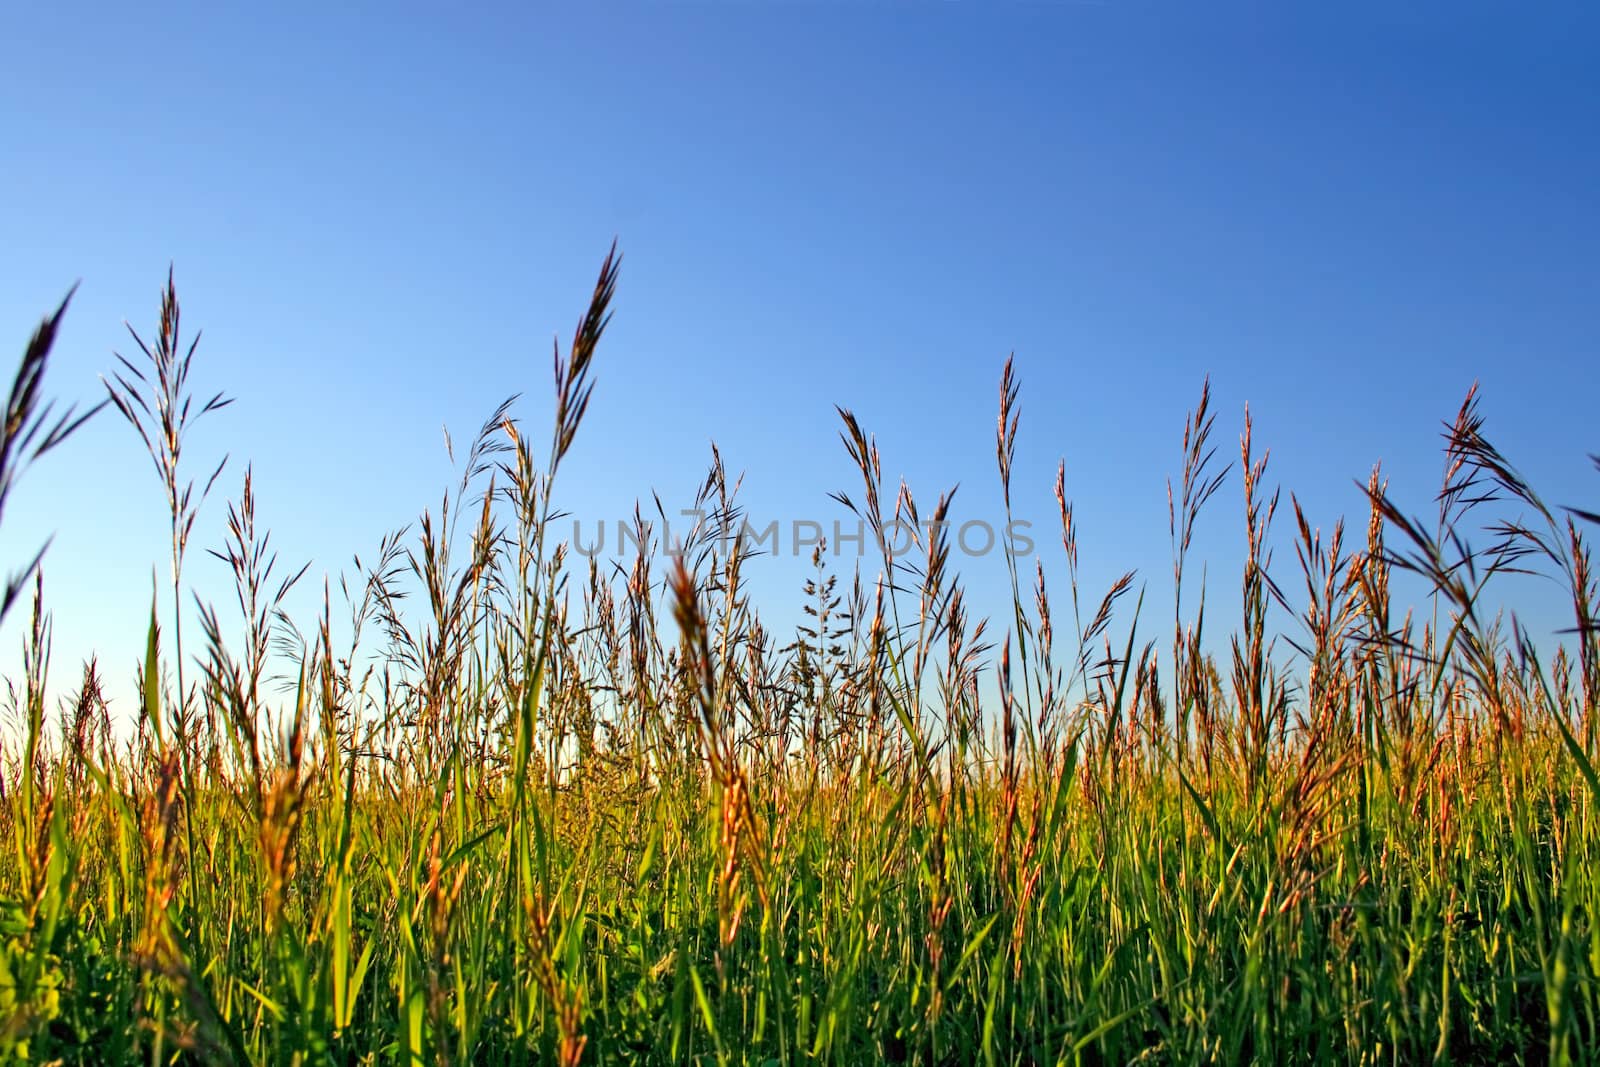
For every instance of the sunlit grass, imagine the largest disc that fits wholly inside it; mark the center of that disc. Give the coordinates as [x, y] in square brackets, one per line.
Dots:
[535, 811]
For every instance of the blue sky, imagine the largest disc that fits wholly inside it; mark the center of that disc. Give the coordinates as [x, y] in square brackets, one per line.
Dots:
[380, 215]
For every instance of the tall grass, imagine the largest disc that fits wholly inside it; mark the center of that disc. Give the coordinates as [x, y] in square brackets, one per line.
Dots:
[527, 809]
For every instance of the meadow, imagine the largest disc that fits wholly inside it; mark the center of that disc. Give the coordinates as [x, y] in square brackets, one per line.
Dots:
[519, 807]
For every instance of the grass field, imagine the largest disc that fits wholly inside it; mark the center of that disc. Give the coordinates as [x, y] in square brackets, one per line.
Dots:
[537, 812]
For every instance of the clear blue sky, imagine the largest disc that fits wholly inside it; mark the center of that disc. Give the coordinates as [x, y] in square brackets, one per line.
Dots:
[380, 214]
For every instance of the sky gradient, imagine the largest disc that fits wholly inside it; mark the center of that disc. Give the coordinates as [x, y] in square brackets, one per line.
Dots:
[380, 215]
